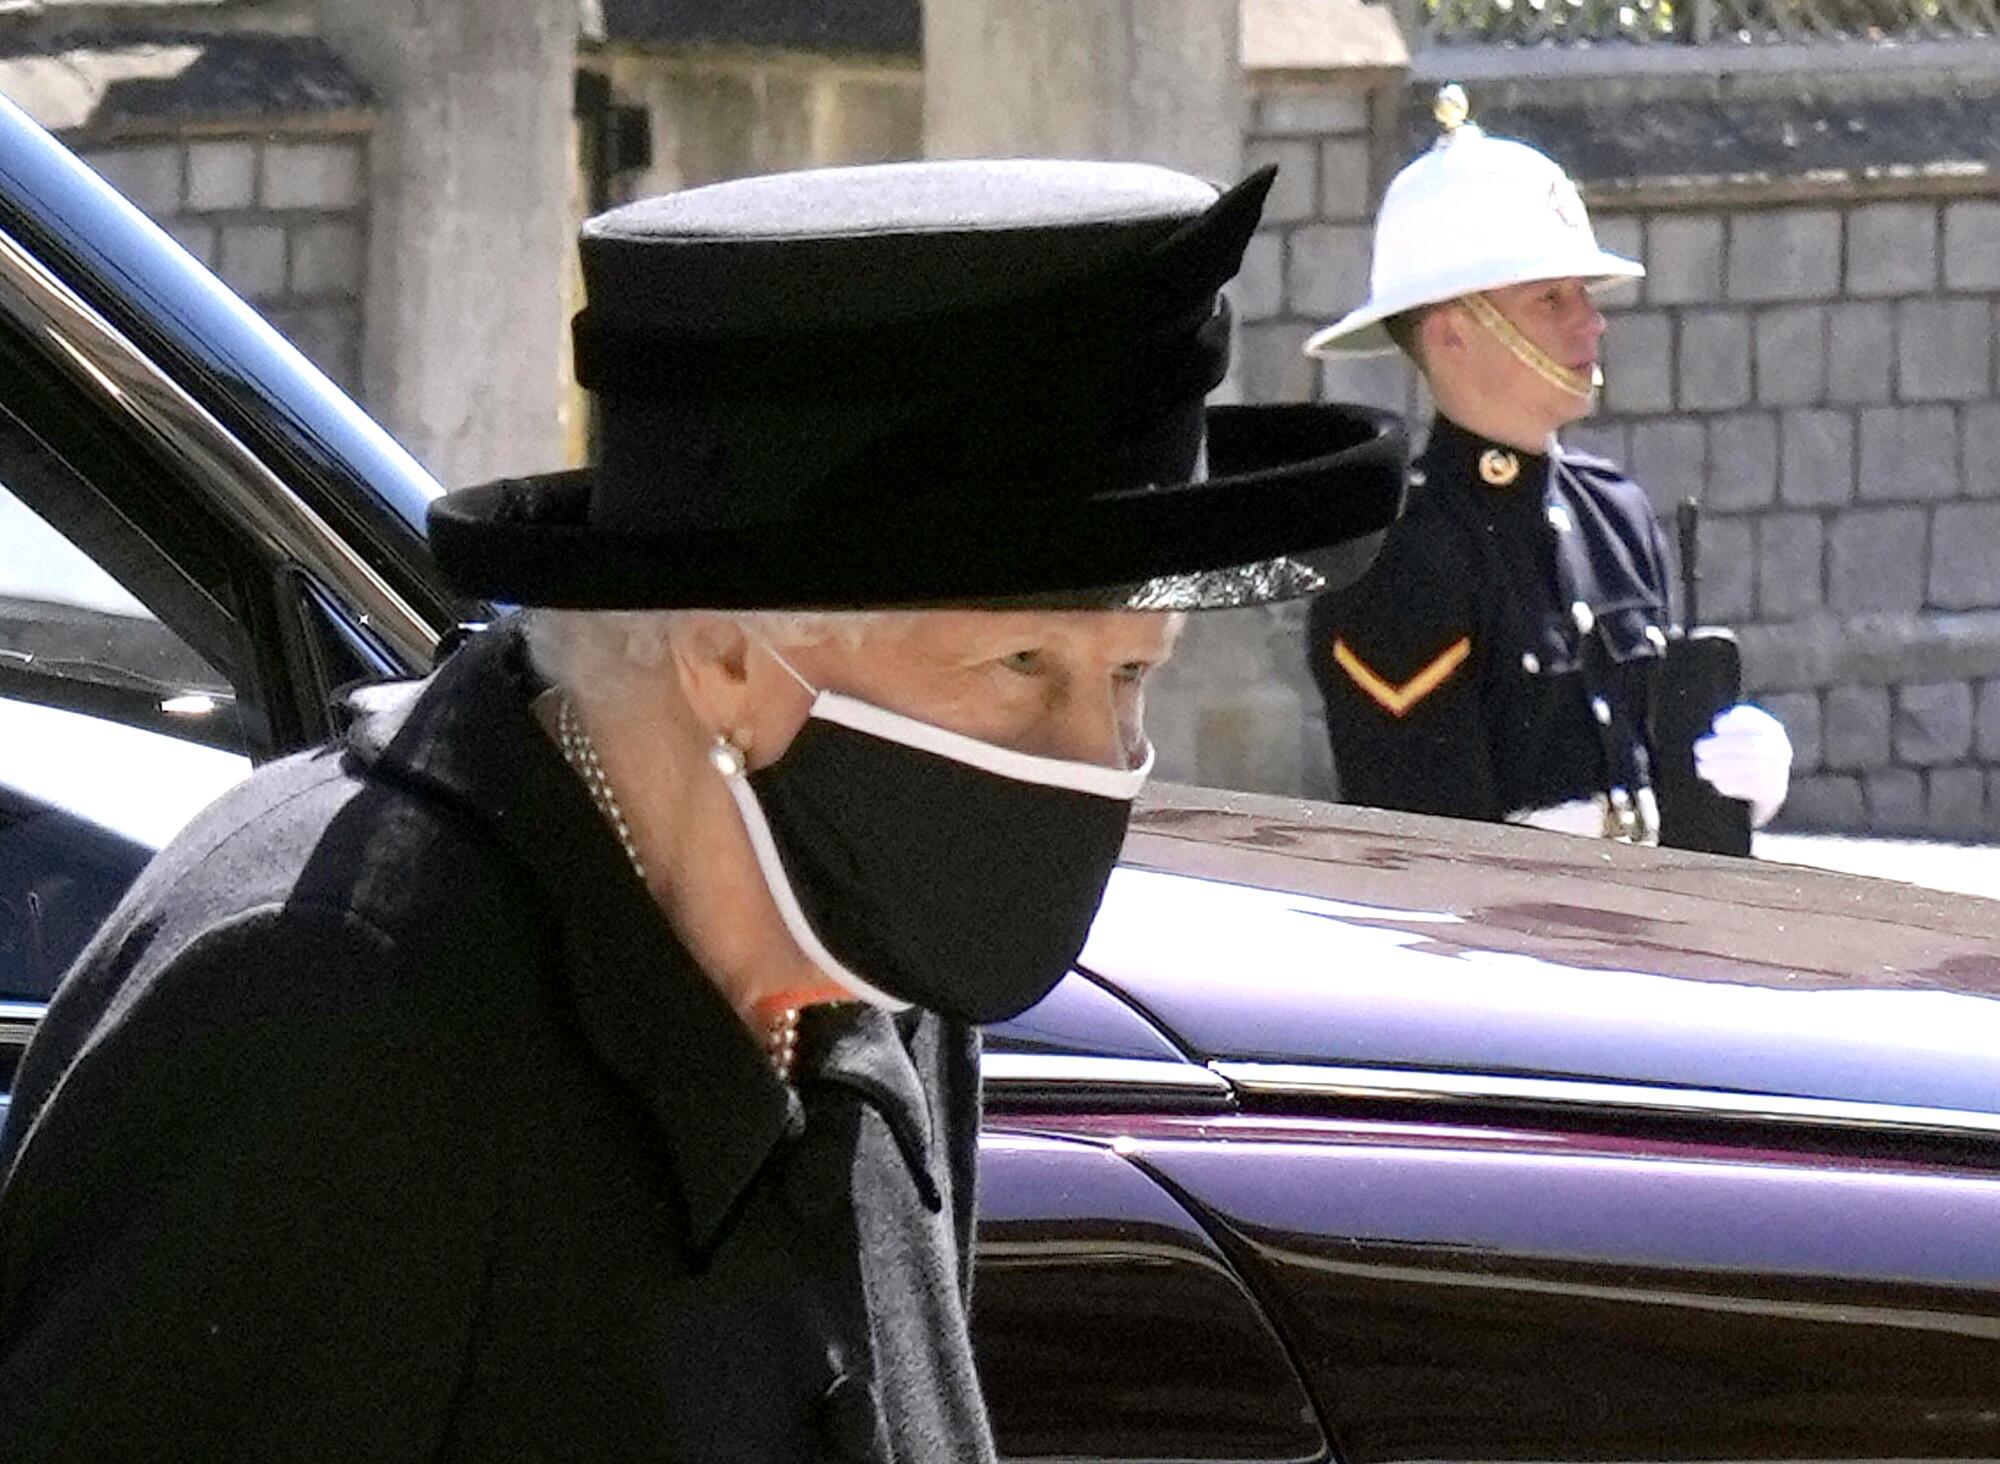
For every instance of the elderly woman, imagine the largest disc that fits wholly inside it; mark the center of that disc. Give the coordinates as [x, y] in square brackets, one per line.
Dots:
[579, 1061]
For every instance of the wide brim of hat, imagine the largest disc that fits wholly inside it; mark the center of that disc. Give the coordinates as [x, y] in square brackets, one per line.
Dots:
[1360, 331]
[1296, 502]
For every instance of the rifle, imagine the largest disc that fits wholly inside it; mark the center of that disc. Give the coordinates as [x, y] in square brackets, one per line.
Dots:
[1701, 676]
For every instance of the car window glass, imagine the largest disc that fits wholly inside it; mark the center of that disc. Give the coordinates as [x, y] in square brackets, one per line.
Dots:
[60, 608]
[93, 779]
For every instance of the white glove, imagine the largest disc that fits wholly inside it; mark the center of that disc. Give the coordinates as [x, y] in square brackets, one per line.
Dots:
[1747, 755]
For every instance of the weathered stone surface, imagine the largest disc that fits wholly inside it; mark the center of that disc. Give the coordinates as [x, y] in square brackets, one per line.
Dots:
[1344, 195]
[1272, 367]
[1684, 259]
[1855, 733]
[148, 176]
[1826, 803]
[327, 259]
[1377, 381]
[1669, 460]
[1965, 556]
[1294, 194]
[1892, 249]
[1799, 712]
[1979, 449]
[1909, 454]
[1600, 438]
[252, 260]
[1933, 723]
[1860, 352]
[1875, 560]
[1714, 360]
[1620, 234]
[1791, 554]
[1728, 569]
[1326, 270]
[1311, 112]
[1956, 803]
[1791, 356]
[1639, 363]
[221, 175]
[1895, 798]
[1987, 717]
[1784, 254]
[1817, 457]
[1944, 350]
[325, 175]
[1972, 245]
[1872, 649]
[1742, 462]
[1259, 287]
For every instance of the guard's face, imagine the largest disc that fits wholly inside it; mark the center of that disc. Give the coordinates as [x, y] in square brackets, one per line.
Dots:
[1066, 684]
[1558, 317]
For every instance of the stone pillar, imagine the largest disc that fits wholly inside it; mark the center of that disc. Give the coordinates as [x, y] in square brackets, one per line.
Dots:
[470, 179]
[1157, 81]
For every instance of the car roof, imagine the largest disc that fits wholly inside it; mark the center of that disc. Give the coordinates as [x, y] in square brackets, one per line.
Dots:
[1281, 932]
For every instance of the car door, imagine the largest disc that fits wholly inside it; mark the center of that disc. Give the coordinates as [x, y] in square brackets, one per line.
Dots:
[171, 609]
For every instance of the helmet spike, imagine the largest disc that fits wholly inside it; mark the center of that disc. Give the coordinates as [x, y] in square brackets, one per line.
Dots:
[1451, 108]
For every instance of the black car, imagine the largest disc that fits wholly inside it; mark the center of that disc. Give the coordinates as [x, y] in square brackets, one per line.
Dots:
[1353, 1135]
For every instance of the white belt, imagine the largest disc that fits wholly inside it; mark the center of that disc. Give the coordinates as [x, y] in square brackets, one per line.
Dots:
[1631, 820]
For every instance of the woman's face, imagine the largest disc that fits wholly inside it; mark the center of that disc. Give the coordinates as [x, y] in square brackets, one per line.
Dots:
[1064, 684]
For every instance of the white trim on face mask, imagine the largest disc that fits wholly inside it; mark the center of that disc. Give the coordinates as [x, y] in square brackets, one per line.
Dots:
[789, 910]
[1122, 784]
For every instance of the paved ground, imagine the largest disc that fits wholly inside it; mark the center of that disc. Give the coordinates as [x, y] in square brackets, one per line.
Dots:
[1971, 869]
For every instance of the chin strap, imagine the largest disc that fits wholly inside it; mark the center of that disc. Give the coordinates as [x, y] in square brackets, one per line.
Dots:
[1576, 383]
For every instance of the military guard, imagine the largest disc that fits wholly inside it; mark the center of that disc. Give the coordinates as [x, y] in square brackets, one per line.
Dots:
[1499, 661]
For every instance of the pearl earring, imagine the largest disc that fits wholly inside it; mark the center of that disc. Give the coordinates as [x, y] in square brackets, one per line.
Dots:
[726, 756]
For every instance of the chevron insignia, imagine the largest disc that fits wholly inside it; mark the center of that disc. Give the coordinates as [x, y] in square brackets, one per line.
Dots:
[1397, 700]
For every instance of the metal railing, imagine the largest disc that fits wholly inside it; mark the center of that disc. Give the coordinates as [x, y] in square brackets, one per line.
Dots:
[1694, 22]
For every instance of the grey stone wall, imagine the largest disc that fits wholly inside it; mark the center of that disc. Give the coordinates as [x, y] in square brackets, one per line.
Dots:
[1821, 375]
[280, 214]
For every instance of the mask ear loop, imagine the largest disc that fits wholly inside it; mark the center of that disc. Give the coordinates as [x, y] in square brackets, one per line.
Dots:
[729, 761]
[1530, 355]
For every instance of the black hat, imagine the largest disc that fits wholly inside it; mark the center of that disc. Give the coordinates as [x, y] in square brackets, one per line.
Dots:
[943, 383]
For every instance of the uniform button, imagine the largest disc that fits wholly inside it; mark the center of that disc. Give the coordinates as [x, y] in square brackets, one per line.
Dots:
[850, 1419]
[1531, 663]
[1600, 709]
[1559, 518]
[1657, 636]
[1583, 617]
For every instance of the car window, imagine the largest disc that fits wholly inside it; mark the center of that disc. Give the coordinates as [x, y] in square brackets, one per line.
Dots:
[113, 734]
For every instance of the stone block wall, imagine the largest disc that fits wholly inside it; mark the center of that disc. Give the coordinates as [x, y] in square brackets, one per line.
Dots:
[281, 216]
[1821, 375]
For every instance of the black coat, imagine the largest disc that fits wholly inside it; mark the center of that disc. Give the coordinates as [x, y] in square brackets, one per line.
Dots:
[1460, 675]
[386, 1120]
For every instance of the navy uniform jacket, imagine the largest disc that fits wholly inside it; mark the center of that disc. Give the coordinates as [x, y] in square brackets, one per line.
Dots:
[387, 1120]
[1499, 656]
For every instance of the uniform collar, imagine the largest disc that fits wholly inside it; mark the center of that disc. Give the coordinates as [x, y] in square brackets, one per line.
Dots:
[1491, 469]
[467, 737]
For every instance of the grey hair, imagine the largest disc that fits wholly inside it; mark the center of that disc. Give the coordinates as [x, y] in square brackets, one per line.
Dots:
[602, 649]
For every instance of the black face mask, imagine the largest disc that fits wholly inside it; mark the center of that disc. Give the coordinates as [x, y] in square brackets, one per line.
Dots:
[916, 866]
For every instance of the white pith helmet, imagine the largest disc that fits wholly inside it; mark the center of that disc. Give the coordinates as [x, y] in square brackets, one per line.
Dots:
[1472, 213]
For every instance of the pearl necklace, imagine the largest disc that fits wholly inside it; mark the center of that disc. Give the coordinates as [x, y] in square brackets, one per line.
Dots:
[781, 1027]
